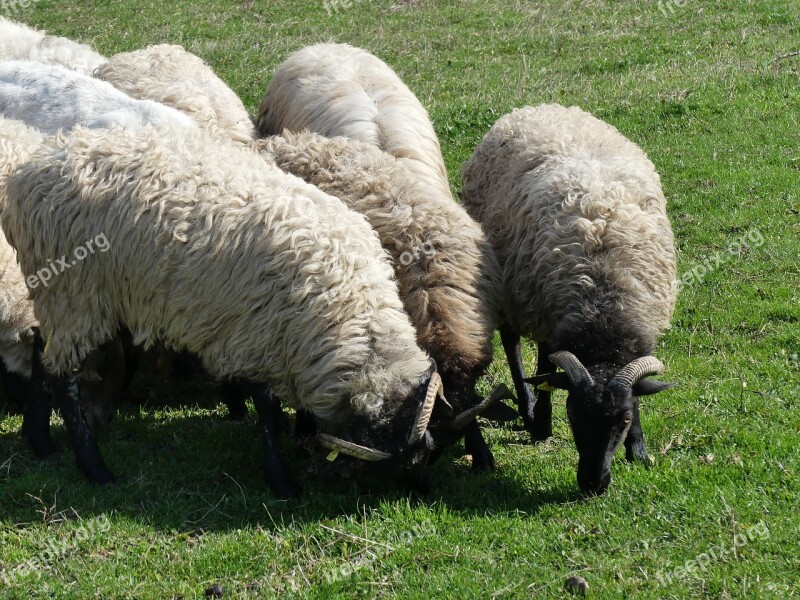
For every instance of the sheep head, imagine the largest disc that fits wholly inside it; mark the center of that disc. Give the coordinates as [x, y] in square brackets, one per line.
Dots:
[399, 435]
[601, 403]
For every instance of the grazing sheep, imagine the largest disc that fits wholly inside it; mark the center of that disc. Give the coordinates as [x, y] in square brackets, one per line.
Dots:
[99, 380]
[447, 273]
[50, 98]
[263, 277]
[171, 75]
[336, 89]
[578, 221]
[20, 42]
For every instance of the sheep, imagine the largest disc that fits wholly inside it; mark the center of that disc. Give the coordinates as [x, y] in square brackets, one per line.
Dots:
[171, 75]
[265, 278]
[20, 42]
[447, 273]
[100, 379]
[336, 89]
[577, 217]
[50, 98]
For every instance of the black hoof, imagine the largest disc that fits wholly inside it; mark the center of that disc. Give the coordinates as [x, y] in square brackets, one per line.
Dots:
[285, 490]
[483, 463]
[98, 474]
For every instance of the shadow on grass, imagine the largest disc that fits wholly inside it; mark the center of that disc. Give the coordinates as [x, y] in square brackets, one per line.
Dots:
[189, 468]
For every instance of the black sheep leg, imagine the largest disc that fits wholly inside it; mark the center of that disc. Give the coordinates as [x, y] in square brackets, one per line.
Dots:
[68, 395]
[525, 398]
[268, 407]
[543, 409]
[474, 444]
[36, 416]
[233, 395]
[16, 389]
[635, 448]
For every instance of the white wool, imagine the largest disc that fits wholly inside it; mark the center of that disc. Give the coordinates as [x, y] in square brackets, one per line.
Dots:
[20, 42]
[50, 98]
[170, 75]
[336, 89]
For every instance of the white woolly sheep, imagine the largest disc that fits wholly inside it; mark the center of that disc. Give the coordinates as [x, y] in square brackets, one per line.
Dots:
[50, 98]
[263, 277]
[336, 89]
[578, 221]
[447, 273]
[171, 75]
[20, 42]
[101, 380]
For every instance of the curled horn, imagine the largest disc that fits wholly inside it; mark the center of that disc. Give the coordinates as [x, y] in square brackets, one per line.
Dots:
[637, 369]
[461, 420]
[350, 449]
[425, 409]
[576, 372]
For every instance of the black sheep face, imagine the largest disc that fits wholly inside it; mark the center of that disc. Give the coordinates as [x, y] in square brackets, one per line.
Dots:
[600, 417]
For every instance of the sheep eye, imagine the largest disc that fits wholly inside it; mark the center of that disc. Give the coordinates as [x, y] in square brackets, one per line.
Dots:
[627, 418]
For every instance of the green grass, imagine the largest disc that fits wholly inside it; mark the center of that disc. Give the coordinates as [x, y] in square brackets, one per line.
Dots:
[702, 93]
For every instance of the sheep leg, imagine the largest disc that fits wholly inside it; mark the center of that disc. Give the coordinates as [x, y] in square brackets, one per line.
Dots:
[474, 444]
[268, 407]
[525, 398]
[305, 426]
[87, 454]
[16, 388]
[543, 408]
[233, 395]
[36, 417]
[635, 448]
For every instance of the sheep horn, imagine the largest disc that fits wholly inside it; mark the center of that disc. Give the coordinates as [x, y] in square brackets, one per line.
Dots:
[461, 421]
[425, 409]
[637, 369]
[350, 449]
[574, 369]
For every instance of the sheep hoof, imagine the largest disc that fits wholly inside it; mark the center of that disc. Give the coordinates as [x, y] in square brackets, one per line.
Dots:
[286, 490]
[482, 463]
[541, 434]
[98, 474]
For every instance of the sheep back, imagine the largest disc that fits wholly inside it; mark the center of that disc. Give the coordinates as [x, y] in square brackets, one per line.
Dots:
[336, 89]
[50, 98]
[171, 75]
[20, 42]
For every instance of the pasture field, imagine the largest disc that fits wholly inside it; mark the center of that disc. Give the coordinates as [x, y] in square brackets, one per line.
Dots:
[711, 91]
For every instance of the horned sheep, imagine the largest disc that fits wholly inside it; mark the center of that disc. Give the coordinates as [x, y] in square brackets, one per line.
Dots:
[577, 218]
[446, 270]
[20, 42]
[339, 90]
[171, 75]
[262, 276]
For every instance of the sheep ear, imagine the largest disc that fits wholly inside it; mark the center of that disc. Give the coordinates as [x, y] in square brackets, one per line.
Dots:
[549, 381]
[646, 387]
[501, 412]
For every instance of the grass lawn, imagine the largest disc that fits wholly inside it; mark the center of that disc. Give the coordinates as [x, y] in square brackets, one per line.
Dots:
[702, 88]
